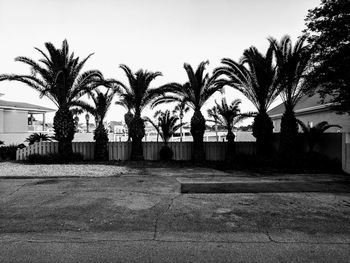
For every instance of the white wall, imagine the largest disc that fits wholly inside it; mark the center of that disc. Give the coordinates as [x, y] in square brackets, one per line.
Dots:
[15, 121]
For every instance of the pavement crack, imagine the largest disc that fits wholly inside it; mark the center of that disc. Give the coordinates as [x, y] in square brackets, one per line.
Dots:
[270, 238]
[161, 214]
[19, 188]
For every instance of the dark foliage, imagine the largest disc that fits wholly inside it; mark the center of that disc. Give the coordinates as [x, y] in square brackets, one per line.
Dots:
[8, 152]
[328, 31]
[298, 163]
[54, 158]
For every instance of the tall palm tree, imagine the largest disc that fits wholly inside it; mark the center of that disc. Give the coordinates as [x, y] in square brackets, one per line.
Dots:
[127, 103]
[58, 76]
[314, 133]
[139, 94]
[195, 93]
[255, 77]
[181, 108]
[229, 116]
[102, 102]
[292, 66]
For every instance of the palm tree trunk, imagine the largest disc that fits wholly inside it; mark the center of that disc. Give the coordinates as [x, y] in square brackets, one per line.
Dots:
[263, 131]
[231, 146]
[216, 131]
[64, 131]
[101, 143]
[137, 132]
[197, 131]
[181, 129]
[289, 132]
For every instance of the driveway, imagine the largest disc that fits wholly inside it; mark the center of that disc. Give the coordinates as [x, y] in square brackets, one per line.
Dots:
[139, 215]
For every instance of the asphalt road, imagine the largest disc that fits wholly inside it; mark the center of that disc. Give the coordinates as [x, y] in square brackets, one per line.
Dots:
[144, 218]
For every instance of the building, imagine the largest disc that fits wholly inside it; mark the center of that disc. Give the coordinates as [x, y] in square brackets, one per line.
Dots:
[18, 120]
[311, 110]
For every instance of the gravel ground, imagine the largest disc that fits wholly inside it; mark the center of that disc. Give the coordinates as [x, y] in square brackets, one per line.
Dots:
[8, 169]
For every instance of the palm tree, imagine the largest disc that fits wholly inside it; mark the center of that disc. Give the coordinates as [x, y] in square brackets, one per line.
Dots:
[127, 103]
[166, 127]
[194, 93]
[314, 133]
[75, 113]
[102, 102]
[255, 77]
[59, 78]
[292, 66]
[213, 113]
[139, 94]
[181, 108]
[228, 116]
[37, 137]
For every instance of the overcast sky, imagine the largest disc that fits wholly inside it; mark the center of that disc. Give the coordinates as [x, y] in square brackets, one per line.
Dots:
[158, 35]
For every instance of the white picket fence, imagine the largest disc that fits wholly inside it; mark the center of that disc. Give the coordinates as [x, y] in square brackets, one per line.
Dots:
[214, 151]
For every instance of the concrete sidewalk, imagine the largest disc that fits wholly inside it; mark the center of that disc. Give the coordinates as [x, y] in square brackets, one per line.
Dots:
[143, 217]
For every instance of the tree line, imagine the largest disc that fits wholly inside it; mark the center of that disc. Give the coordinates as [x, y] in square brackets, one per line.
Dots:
[288, 70]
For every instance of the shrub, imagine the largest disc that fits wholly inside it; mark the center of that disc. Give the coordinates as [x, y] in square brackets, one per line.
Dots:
[37, 137]
[166, 153]
[54, 158]
[8, 152]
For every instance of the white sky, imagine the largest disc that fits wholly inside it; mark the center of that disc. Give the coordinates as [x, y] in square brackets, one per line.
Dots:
[157, 35]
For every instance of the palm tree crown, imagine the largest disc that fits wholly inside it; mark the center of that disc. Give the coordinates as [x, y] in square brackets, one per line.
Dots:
[167, 124]
[138, 94]
[195, 92]
[292, 66]
[314, 133]
[59, 77]
[257, 81]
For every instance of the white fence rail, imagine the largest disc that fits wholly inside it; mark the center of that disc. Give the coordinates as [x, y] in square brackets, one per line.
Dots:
[214, 151]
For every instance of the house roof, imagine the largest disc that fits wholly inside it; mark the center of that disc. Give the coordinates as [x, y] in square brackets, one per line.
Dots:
[31, 108]
[305, 105]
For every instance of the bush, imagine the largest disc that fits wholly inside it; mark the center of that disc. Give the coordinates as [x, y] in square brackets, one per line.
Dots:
[8, 152]
[166, 153]
[37, 137]
[54, 158]
[300, 162]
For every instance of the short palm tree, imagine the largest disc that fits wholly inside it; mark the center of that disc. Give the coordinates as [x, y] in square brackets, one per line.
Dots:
[59, 78]
[213, 113]
[102, 102]
[37, 137]
[75, 113]
[166, 127]
[194, 93]
[181, 108]
[139, 94]
[292, 66]
[255, 77]
[314, 133]
[229, 116]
